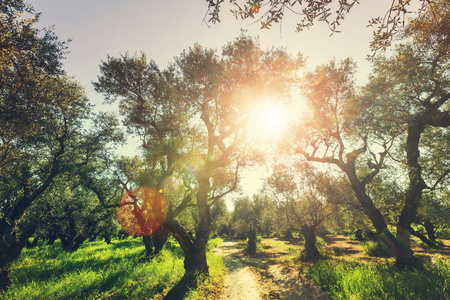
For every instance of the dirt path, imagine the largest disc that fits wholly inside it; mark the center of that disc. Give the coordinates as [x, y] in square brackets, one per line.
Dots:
[252, 279]
[262, 276]
[240, 281]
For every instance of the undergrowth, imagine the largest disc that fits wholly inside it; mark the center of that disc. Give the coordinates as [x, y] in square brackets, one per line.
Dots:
[101, 271]
[382, 280]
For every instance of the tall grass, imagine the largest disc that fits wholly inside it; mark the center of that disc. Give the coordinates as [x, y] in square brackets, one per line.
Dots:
[100, 271]
[358, 280]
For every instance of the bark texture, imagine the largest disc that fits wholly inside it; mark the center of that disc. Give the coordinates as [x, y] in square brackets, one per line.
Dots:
[251, 244]
[310, 235]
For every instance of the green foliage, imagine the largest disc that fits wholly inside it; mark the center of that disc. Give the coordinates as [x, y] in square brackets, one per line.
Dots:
[357, 280]
[310, 12]
[259, 245]
[322, 247]
[250, 213]
[191, 119]
[43, 118]
[98, 270]
[288, 235]
[70, 211]
[220, 217]
[375, 249]
[443, 232]
[213, 244]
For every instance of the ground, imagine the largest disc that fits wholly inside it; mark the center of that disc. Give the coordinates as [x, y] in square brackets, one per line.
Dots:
[241, 282]
[256, 278]
[271, 274]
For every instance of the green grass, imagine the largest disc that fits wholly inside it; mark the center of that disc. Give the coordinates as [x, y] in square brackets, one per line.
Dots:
[359, 280]
[100, 271]
[292, 256]
[375, 249]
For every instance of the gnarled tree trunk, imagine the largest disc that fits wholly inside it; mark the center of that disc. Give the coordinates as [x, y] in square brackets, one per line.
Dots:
[10, 248]
[251, 244]
[8, 253]
[194, 256]
[155, 243]
[398, 245]
[310, 235]
[429, 227]
[413, 194]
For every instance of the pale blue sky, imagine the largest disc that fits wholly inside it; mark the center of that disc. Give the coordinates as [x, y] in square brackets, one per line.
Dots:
[163, 28]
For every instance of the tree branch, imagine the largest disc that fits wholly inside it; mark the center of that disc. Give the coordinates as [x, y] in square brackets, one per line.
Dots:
[233, 187]
[439, 180]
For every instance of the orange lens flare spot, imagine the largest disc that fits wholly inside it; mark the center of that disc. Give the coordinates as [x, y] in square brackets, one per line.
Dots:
[142, 211]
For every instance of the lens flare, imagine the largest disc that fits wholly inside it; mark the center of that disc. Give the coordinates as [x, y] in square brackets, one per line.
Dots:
[142, 211]
[193, 164]
[268, 121]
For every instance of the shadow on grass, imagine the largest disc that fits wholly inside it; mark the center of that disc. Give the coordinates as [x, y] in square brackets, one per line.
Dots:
[127, 244]
[94, 288]
[180, 290]
[26, 274]
[292, 241]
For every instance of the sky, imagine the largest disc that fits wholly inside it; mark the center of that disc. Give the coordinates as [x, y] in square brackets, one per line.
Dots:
[164, 28]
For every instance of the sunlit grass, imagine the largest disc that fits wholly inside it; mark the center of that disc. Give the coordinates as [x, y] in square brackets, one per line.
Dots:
[382, 280]
[290, 254]
[99, 271]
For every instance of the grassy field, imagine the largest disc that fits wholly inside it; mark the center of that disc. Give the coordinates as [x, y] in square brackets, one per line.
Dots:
[121, 271]
[354, 275]
[359, 276]
[382, 280]
[101, 271]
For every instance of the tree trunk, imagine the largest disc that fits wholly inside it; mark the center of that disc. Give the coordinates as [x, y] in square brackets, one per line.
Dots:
[10, 248]
[5, 282]
[9, 251]
[424, 239]
[79, 240]
[160, 239]
[148, 243]
[52, 239]
[194, 257]
[430, 230]
[33, 244]
[413, 195]
[155, 243]
[72, 244]
[107, 239]
[359, 234]
[310, 235]
[195, 261]
[251, 244]
[399, 245]
[194, 250]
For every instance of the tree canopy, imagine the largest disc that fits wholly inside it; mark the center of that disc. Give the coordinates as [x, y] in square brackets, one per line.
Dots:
[331, 12]
[42, 115]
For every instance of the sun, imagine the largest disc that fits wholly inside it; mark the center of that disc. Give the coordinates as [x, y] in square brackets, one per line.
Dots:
[267, 121]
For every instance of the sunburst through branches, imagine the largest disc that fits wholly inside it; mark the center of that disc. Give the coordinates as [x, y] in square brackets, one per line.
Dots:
[142, 211]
